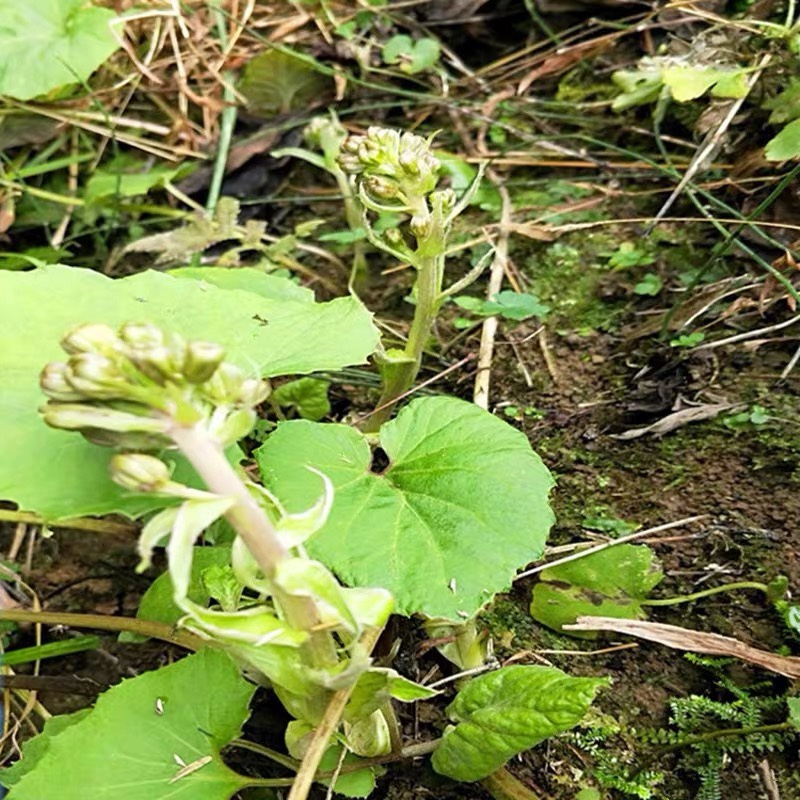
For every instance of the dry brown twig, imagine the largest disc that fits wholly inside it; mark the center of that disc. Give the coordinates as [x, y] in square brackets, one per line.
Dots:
[694, 641]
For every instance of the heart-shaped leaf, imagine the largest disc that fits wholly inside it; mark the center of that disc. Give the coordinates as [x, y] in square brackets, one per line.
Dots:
[502, 713]
[154, 737]
[460, 508]
[280, 81]
[46, 44]
[609, 583]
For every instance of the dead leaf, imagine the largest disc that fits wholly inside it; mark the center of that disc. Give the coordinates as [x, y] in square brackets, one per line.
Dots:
[539, 233]
[678, 419]
[694, 641]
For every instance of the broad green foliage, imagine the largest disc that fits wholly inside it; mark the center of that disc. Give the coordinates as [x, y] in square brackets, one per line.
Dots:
[502, 713]
[248, 279]
[47, 44]
[133, 743]
[684, 82]
[690, 82]
[609, 583]
[103, 185]
[280, 81]
[786, 145]
[793, 704]
[59, 475]
[35, 749]
[462, 505]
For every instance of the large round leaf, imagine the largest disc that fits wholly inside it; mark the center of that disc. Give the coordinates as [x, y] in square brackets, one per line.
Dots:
[134, 741]
[461, 506]
[46, 44]
[58, 474]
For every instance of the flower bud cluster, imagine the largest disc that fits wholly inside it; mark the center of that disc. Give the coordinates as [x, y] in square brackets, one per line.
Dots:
[125, 389]
[325, 134]
[394, 167]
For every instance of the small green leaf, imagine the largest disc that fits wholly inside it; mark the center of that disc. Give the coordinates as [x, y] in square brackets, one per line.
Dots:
[158, 605]
[505, 712]
[786, 145]
[412, 56]
[507, 304]
[688, 83]
[343, 237]
[785, 106]
[516, 305]
[688, 339]
[133, 742]
[308, 395]
[103, 185]
[649, 285]
[280, 81]
[47, 44]
[609, 583]
[639, 87]
[464, 496]
[377, 686]
[794, 711]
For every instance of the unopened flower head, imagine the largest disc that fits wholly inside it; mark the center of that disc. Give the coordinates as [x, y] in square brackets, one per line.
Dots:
[138, 472]
[404, 159]
[325, 133]
[144, 382]
[91, 338]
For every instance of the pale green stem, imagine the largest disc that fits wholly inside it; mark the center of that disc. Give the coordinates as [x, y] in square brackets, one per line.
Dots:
[401, 376]
[687, 598]
[251, 523]
[320, 739]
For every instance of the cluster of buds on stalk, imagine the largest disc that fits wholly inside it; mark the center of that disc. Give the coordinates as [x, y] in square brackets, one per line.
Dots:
[129, 388]
[398, 172]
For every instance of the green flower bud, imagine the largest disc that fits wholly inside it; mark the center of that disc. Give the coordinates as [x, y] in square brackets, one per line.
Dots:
[142, 335]
[131, 442]
[91, 338]
[201, 361]
[325, 133]
[409, 160]
[380, 187]
[253, 391]
[96, 377]
[225, 385]
[394, 237]
[138, 472]
[53, 380]
[420, 225]
[159, 363]
[76, 416]
[444, 200]
[235, 426]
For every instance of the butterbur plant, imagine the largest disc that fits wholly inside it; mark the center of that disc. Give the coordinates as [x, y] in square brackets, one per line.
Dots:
[281, 615]
[396, 172]
[145, 390]
[325, 547]
[388, 172]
